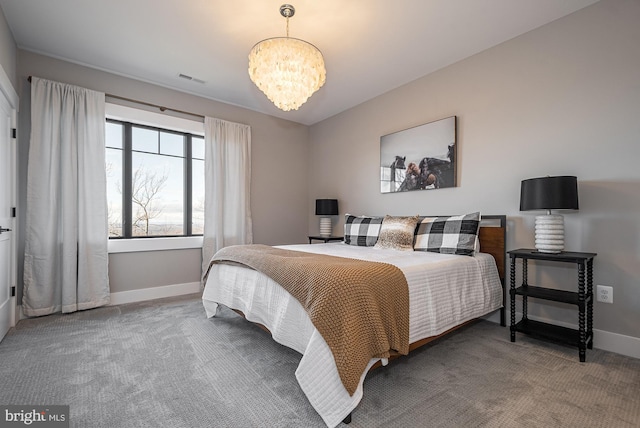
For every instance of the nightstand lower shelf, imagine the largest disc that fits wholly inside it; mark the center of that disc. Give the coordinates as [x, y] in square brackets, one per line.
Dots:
[582, 298]
[551, 332]
[325, 239]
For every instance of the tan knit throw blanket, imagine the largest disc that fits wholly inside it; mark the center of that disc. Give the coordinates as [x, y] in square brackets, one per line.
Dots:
[360, 308]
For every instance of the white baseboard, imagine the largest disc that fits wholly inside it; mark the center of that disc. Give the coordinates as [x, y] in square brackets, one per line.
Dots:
[618, 343]
[122, 297]
[151, 293]
[605, 340]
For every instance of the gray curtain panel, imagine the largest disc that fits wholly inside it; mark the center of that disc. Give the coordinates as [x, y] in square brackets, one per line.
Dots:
[66, 259]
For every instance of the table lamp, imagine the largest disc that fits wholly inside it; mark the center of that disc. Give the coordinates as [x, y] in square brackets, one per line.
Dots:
[549, 193]
[325, 208]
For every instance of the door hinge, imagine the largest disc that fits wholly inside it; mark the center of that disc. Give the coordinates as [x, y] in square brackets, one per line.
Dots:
[13, 211]
[13, 291]
[14, 133]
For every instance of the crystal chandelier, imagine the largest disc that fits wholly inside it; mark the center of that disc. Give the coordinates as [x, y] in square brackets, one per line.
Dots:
[287, 70]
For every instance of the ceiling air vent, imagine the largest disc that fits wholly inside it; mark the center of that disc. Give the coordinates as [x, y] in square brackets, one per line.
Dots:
[193, 79]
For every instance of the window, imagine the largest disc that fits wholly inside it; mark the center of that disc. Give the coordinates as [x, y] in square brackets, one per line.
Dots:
[155, 180]
[391, 179]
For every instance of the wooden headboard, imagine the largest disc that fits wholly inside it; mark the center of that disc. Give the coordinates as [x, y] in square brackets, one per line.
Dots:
[493, 238]
[492, 235]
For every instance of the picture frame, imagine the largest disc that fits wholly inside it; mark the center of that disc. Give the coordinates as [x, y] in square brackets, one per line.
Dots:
[419, 158]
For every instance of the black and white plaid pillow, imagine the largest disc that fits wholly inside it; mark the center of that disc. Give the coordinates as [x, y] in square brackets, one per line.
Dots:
[362, 231]
[448, 235]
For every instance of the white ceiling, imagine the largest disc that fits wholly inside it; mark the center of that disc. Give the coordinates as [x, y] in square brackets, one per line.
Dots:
[369, 46]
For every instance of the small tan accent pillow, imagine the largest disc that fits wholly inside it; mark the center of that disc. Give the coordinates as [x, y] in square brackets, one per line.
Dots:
[397, 233]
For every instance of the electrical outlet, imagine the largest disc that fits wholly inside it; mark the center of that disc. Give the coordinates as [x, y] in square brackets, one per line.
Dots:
[604, 293]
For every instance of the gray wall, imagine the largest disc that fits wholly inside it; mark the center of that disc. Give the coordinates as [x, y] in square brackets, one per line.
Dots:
[280, 151]
[160, 268]
[7, 50]
[560, 100]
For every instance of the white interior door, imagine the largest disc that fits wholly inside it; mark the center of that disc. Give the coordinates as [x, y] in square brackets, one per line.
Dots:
[7, 176]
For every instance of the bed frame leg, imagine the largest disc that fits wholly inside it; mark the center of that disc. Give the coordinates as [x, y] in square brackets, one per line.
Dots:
[347, 420]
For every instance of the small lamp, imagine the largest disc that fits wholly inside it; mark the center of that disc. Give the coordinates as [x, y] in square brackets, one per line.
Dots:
[549, 193]
[326, 207]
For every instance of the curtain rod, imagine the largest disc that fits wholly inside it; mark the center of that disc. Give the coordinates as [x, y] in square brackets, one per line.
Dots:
[159, 107]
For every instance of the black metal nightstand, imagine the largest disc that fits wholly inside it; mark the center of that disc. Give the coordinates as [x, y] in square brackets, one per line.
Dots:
[325, 238]
[583, 298]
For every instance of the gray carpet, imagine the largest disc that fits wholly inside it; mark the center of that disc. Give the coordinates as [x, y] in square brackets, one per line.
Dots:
[163, 364]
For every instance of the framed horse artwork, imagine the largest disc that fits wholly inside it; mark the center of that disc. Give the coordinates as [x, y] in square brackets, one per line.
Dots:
[419, 158]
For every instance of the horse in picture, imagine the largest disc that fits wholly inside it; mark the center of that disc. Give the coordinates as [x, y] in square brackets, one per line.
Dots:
[397, 170]
[436, 173]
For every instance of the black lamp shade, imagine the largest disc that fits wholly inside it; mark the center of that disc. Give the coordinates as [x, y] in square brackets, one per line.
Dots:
[326, 207]
[547, 193]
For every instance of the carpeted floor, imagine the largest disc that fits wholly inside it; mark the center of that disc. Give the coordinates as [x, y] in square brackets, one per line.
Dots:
[163, 364]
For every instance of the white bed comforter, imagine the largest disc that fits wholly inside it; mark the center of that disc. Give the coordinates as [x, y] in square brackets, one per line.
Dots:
[444, 291]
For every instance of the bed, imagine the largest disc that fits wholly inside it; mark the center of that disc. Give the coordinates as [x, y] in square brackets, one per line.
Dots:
[446, 291]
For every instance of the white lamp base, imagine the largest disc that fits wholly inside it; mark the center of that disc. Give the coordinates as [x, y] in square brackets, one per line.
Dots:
[325, 226]
[550, 233]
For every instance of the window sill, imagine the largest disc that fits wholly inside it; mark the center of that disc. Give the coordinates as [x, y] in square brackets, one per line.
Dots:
[154, 244]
